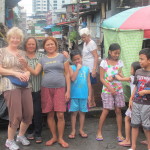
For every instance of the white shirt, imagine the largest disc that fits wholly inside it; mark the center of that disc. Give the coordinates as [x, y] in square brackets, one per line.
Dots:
[88, 58]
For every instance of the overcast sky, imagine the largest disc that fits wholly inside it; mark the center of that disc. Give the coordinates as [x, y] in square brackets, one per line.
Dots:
[27, 4]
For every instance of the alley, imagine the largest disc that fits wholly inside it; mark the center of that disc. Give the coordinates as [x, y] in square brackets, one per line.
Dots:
[109, 134]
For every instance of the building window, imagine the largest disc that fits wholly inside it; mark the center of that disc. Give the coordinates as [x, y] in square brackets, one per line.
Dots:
[108, 4]
[63, 1]
[55, 7]
[54, 4]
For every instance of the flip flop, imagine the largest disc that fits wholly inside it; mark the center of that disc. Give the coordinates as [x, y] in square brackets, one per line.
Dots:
[125, 145]
[64, 144]
[38, 140]
[120, 138]
[50, 142]
[71, 136]
[144, 142]
[83, 135]
[99, 138]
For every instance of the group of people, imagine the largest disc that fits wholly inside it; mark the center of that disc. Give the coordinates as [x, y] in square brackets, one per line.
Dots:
[46, 83]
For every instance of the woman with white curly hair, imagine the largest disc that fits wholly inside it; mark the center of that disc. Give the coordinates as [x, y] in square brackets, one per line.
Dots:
[90, 58]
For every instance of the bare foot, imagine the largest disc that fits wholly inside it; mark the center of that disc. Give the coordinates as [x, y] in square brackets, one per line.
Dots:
[125, 143]
[63, 143]
[51, 142]
[144, 142]
[72, 135]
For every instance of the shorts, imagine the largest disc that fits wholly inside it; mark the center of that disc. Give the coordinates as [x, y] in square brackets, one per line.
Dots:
[111, 101]
[78, 105]
[140, 115]
[53, 99]
[93, 79]
[128, 112]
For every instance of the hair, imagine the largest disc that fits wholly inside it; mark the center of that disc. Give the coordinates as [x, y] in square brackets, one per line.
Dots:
[136, 66]
[145, 51]
[50, 38]
[84, 31]
[74, 53]
[15, 31]
[26, 41]
[113, 47]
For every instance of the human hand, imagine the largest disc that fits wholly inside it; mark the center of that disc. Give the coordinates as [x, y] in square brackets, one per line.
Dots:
[23, 62]
[89, 99]
[79, 66]
[65, 53]
[130, 103]
[113, 91]
[110, 78]
[142, 93]
[93, 73]
[67, 96]
[22, 76]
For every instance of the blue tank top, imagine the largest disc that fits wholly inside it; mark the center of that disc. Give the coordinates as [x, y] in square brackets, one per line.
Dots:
[79, 87]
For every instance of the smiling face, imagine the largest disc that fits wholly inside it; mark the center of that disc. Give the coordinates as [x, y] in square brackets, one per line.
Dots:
[114, 54]
[14, 41]
[31, 45]
[50, 47]
[77, 59]
[144, 61]
[85, 38]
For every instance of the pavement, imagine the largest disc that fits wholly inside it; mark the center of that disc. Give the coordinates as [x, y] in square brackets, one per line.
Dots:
[91, 124]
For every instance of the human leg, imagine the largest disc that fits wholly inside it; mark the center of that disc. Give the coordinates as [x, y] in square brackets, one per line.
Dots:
[127, 141]
[135, 132]
[73, 125]
[52, 126]
[37, 116]
[119, 123]
[101, 121]
[60, 127]
[82, 119]
[147, 134]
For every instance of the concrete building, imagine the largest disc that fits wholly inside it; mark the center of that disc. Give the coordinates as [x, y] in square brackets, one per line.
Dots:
[40, 6]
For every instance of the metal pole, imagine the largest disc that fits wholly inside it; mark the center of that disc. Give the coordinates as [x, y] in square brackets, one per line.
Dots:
[77, 24]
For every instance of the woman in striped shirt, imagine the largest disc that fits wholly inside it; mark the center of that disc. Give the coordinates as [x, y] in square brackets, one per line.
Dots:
[33, 56]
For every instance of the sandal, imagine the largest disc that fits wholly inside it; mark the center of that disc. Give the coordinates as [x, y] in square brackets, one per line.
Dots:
[64, 144]
[30, 136]
[38, 140]
[99, 138]
[71, 136]
[120, 138]
[50, 142]
[83, 135]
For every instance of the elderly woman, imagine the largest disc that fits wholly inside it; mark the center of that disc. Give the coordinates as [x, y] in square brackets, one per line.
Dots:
[33, 57]
[90, 58]
[16, 90]
[55, 88]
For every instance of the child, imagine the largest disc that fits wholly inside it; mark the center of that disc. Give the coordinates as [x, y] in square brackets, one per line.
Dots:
[140, 99]
[80, 93]
[112, 92]
[134, 66]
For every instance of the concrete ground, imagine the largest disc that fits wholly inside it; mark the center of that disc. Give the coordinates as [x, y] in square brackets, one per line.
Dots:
[109, 134]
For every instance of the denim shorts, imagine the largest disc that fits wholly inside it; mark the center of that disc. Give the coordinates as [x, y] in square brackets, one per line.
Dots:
[78, 105]
[93, 79]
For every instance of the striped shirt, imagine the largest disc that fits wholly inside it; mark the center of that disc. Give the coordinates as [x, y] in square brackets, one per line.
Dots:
[35, 80]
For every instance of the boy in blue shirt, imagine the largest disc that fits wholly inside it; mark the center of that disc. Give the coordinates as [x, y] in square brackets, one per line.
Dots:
[140, 99]
[80, 93]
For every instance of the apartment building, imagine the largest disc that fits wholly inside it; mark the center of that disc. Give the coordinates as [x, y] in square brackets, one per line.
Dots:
[40, 6]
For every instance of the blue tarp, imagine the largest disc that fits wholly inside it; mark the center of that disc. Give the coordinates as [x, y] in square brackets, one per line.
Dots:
[49, 26]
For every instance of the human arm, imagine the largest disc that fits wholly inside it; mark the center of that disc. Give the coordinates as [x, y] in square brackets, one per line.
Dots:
[102, 79]
[144, 92]
[131, 98]
[23, 76]
[95, 55]
[73, 74]
[67, 77]
[89, 89]
[119, 78]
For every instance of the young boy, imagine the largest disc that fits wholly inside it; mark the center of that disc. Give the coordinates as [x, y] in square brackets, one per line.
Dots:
[80, 93]
[140, 99]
